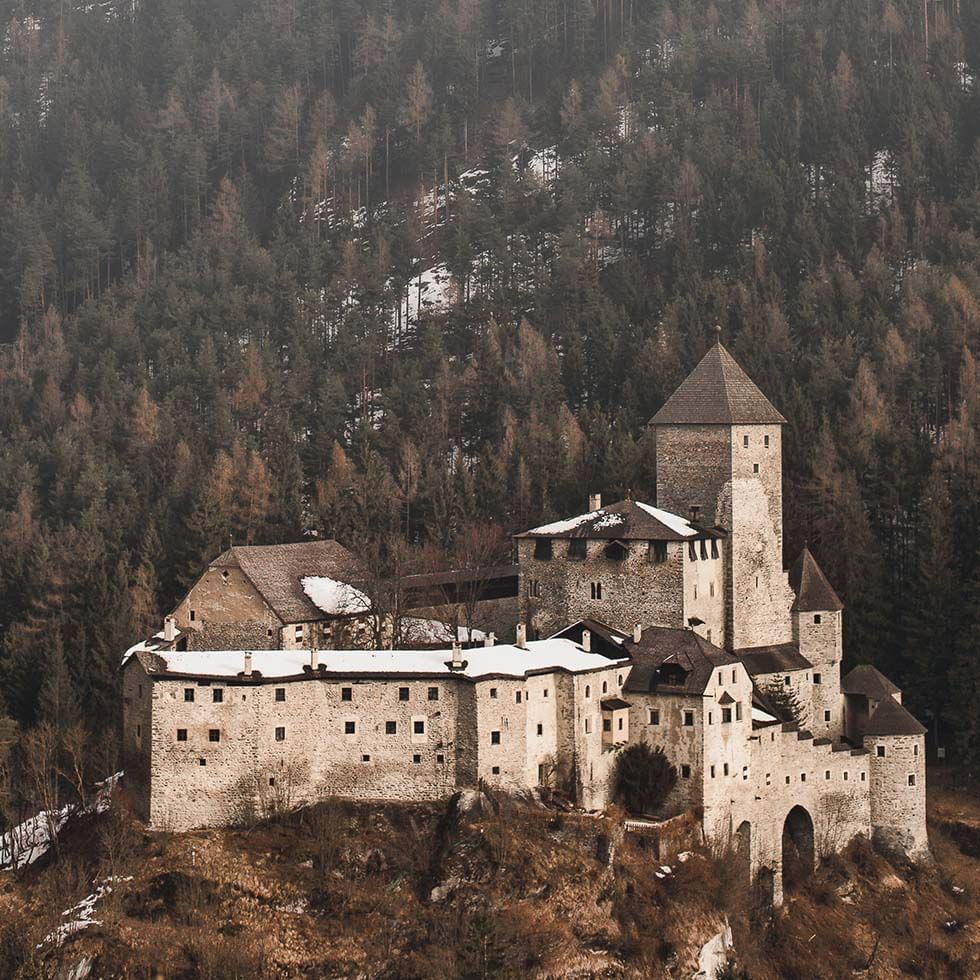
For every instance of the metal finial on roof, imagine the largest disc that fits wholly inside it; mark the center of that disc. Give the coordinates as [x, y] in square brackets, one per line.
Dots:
[717, 333]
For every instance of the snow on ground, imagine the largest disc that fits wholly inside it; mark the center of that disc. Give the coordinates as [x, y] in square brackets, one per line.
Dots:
[80, 916]
[430, 291]
[495, 49]
[333, 597]
[880, 182]
[434, 631]
[967, 78]
[714, 954]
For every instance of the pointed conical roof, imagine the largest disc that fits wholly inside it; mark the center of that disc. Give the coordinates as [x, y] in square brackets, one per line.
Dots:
[718, 392]
[869, 682]
[813, 592]
[890, 718]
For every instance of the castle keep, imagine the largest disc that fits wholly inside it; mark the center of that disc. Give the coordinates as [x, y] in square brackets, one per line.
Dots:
[673, 624]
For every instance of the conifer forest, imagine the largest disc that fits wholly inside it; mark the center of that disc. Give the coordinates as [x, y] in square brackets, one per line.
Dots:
[397, 271]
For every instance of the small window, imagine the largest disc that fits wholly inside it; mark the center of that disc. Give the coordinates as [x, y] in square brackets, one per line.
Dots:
[711, 717]
[720, 680]
[845, 776]
[493, 693]
[217, 695]
[711, 589]
[201, 762]
[864, 777]
[817, 677]
[745, 772]
[685, 772]
[619, 725]
[605, 688]
[495, 770]
[193, 617]
[546, 689]
[299, 632]
[541, 729]
[826, 716]
[139, 731]
[688, 719]
[418, 727]
[745, 441]
[695, 590]
[654, 716]
[440, 759]
[181, 734]
[607, 724]
[817, 618]
[692, 551]
[787, 682]
[658, 552]
[725, 769]
[188, 693]
[140, 686]
[712, 772]
[596, 590]
[911, 779]
[766, 441]
[738, 711]
[224, 574]
[755, 467]
[272, 780]
[588, 726]
[433, 693]
[280, 734]
[588, 690]
[403, 694]
[714, 548]
[542, 549]
[616, 551]
[214, 734]
[578, 549]
[416, 760]
[280, 694]
[726, 716]
[915, 750]
[391, 728]
[880, 751]
[346, 694]
[517, 697]
[495, 738]
[802, 777]
[734, 676]
[826, 774]
[350, 727]
[365, 758]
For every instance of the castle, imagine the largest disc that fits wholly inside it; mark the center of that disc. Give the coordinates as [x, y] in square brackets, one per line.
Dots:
[673, 624]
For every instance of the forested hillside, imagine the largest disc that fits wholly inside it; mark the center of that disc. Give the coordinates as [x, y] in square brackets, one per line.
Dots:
[390, 271]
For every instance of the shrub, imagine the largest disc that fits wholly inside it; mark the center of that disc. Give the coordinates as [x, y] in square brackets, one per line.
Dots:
[644, 778]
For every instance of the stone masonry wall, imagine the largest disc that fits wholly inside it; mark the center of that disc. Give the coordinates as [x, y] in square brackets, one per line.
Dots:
[136, 743]
[224, 595]
[801, 686]
[822, 644]
[898, 808]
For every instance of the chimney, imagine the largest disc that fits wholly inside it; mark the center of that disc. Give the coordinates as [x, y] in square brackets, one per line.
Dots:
[637, 633]
[457, 657]
[314, 657]
[587, 641]
[695, 511]
[595, 501]
[169, 629]
[248, 664]
[490, 640]
[521, 636]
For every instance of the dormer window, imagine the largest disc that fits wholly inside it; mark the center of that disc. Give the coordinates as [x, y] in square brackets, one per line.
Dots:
[616, 551]
[672, 674]
[658, 552]
[578, 549]
[542, 549]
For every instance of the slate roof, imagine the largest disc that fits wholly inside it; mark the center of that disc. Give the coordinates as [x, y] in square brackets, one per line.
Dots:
[868, 682]
[718, 392]
[662, 645]
[774, 659]
[813, 592]
[890, 718]
[277, 571]
[628, 520]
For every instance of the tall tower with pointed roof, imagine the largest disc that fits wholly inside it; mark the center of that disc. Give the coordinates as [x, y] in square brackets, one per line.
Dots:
[719, 452]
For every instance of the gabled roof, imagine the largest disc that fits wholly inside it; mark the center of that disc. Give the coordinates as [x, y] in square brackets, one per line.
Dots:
[718, 392]
[890, 718]
[277, 572]
[660, 646]
[868, 682]
[773, 659]
[629, 520]
[606, 640]
[813, 592]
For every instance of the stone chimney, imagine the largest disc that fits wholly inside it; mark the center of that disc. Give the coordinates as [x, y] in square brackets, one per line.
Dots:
[695, 513]
[587, 641]
[248, 664]
[637, 633]
[490, 640]
[595, 501]
[521, 636]
[314, 657]
[169, 629]
[457, 657]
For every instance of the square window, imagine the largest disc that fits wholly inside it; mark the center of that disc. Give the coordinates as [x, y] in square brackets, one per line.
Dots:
[495, 738]
[685, 772]
[440, 758]
[493, 693]
[202, 762]
[181, 734]
[416, 760]
[817, 677]
[880, 751]
[346, 694]
[280, 734]
[911, 779]
[214, 734]
[188, 693]
[787, 682]
[654, 716]
[272, 780]
[495, 770]
[688, 719]
[541, 729]
[542, 549]
[817, 618]
[391, 728]
[280, 694]
[350, 727]
[418, 727]
[365, 758]
[217, 695]
[403, 694]
[726, 716]
[433, 693]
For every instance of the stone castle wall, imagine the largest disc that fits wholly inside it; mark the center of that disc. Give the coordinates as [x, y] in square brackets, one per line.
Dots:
[898, 798]
[822, 644]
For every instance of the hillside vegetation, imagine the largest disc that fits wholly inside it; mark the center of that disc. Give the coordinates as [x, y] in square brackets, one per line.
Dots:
[504, 889]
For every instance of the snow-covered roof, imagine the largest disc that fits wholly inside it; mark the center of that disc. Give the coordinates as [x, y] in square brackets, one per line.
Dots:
[626, 520]
[504, 659]
[333, 597]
